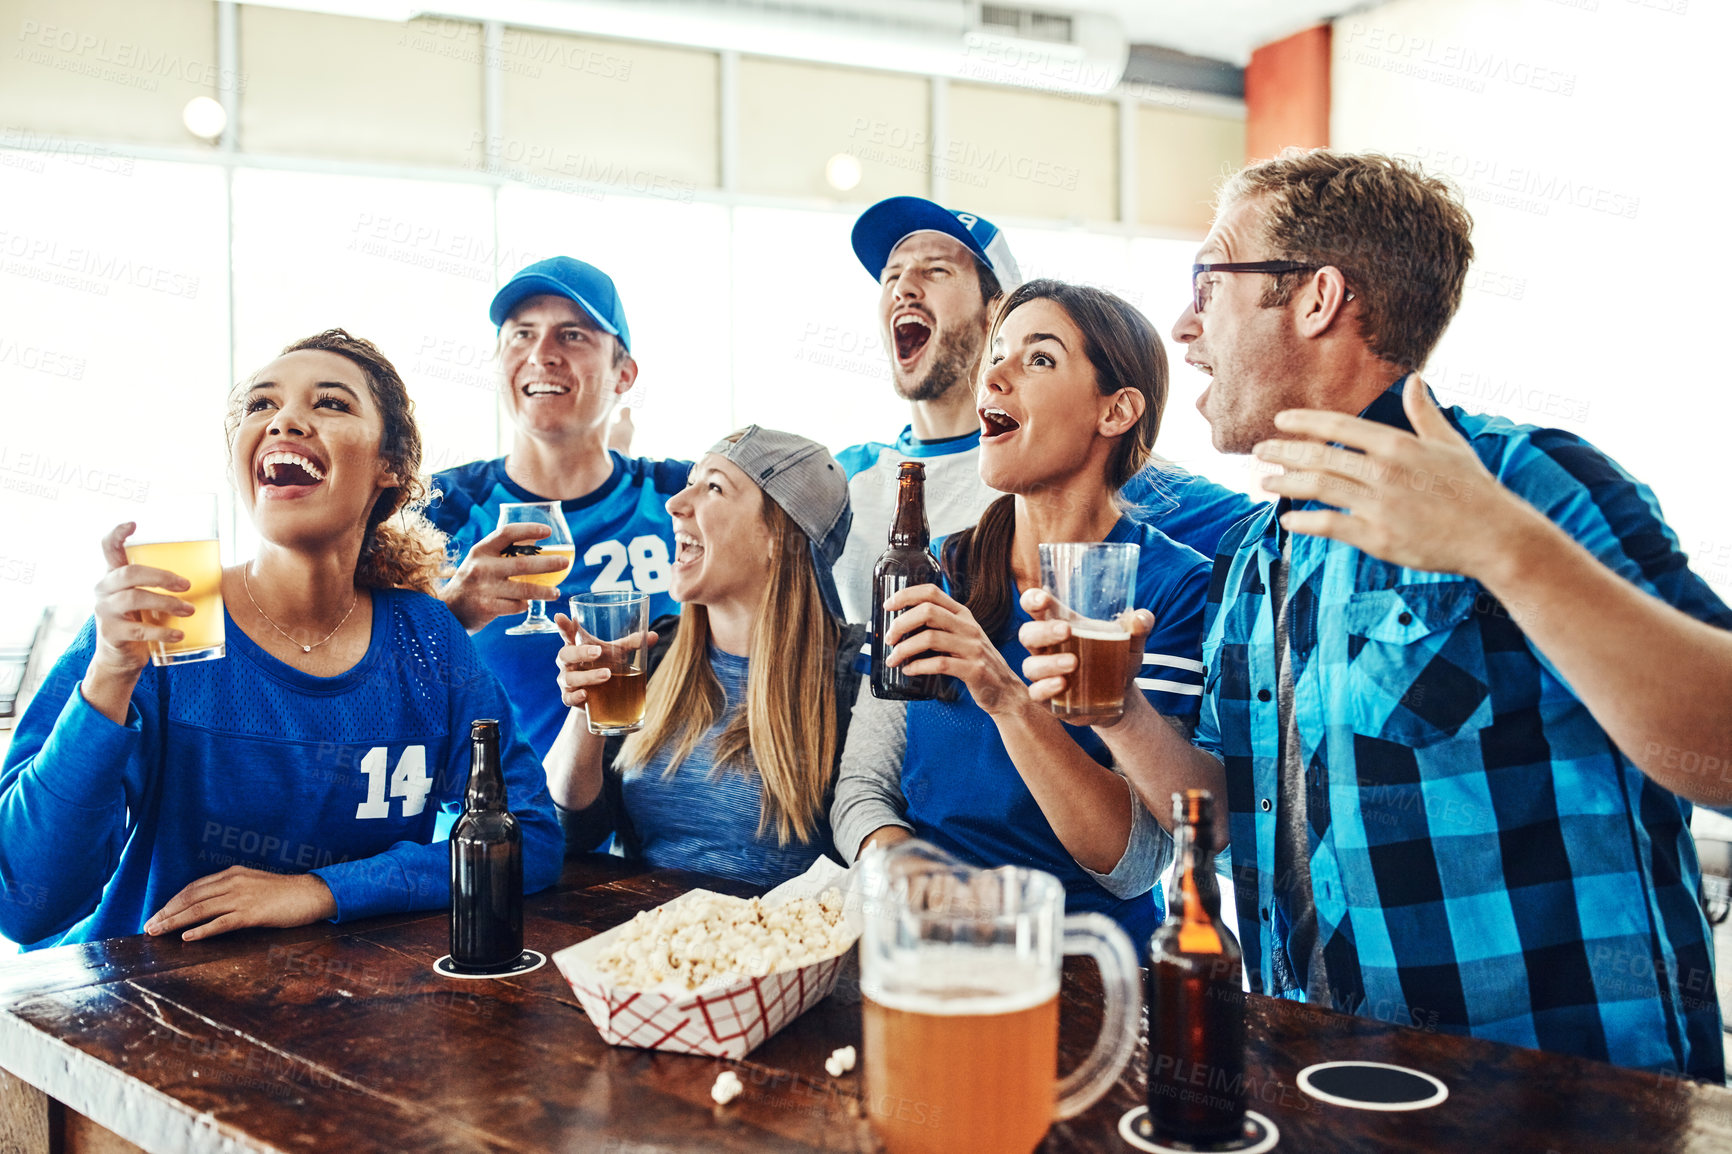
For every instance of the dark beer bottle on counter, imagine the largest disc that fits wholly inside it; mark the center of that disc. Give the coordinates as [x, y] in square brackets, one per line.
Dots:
[906, 562]
[486, 864]
[1196, 997]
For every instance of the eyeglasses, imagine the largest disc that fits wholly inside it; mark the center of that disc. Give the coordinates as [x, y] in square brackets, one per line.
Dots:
[1200, 287]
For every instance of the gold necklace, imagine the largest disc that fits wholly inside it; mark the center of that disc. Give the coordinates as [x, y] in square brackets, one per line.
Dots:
[248, 586]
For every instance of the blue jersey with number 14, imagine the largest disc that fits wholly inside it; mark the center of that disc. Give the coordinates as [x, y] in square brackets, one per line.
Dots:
[624, 539]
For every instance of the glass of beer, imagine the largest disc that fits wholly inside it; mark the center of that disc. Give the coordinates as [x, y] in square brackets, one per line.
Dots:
[1091, 584]
[959, 971]
[619, 622]
[555, 544]
[181, 536]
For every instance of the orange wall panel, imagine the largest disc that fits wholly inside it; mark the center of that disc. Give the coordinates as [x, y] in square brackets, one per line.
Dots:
[1287, 94]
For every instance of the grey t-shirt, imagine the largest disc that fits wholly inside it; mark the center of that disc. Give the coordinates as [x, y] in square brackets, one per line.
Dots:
[869, 796]
[1300, 966]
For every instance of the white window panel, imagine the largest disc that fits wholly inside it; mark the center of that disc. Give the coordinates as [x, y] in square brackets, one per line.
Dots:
[409, 265]
[669, 260]
[1073, 254]
[808, 353]
[113, 356]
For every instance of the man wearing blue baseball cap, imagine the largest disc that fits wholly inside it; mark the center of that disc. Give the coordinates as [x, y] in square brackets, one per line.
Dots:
[565, 360]
[939, 271]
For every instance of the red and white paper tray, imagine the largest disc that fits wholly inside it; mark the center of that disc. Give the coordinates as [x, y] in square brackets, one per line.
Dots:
[727, 1017]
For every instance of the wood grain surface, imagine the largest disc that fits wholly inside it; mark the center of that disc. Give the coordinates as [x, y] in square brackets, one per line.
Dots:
[343, 1038]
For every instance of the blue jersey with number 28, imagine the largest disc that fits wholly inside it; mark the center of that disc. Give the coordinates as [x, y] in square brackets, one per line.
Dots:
[624, 538]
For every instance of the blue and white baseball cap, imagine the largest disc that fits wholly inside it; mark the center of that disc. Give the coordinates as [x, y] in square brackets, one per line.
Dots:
[886, 224]
[590, 288]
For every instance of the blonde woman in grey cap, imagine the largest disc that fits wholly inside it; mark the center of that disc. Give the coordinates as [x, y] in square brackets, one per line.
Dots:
[751, 685]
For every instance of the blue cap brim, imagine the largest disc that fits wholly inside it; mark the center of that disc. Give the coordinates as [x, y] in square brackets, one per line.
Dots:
[881, 228]
[522, 288]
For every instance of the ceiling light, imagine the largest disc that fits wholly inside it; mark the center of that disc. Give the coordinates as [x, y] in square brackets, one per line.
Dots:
[842, 171]
[205, 118]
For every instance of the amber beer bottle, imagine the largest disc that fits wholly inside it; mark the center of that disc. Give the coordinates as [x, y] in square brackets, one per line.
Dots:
[486, 864]
[906, 562]
[1196, 997]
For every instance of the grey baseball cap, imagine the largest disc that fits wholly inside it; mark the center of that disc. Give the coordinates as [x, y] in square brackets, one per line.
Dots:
[803, 478]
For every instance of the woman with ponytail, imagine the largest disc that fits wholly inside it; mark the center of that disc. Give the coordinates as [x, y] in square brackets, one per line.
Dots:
[299, 777]
[1070, 397]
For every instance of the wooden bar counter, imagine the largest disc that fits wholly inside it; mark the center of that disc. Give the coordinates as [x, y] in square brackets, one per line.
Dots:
[342, 1038]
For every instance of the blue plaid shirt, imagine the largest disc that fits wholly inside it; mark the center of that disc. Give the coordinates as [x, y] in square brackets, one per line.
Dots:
[1483, 859]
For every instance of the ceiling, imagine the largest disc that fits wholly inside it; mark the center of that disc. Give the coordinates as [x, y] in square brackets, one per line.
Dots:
[1223, 30]
[1220, 29]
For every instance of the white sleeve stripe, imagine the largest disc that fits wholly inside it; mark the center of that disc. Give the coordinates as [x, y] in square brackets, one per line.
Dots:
[866, 648]
[1172, 662]
[1169, 686]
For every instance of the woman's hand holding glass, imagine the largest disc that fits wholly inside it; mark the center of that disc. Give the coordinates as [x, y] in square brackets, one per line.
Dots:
[580, 660]
[937, 634]
[1048, 671]
[124, 596]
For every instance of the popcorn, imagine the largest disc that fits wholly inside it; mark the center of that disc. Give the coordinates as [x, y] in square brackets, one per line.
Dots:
[695, 942]
[728, 1087]
[707, 1003]
[840, 1061]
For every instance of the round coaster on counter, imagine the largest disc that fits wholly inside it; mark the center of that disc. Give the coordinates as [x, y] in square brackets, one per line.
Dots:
[1372, 1086]
[1260, 1134]
[527, 962]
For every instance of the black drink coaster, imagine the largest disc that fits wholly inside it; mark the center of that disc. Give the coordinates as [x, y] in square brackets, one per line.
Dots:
[1371, 1086]
[526, 962]
[1260, 1134]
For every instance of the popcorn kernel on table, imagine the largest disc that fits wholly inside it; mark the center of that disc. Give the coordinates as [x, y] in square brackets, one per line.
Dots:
[728, 1087]
[840, 1061]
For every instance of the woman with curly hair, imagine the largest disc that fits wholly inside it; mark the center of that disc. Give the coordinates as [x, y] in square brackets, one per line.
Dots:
[300, 776]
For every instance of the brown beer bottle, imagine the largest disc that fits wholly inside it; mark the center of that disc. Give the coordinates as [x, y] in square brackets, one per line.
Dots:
[906, 562]
[1196, 997]
[486, 864]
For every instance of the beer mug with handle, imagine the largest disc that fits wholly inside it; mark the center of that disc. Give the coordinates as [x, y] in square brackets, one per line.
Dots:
[959, 972]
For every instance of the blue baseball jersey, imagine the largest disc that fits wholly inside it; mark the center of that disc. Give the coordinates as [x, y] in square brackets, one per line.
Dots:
[624, 538]
[1186, 506]
[964, 793]
[248, 761]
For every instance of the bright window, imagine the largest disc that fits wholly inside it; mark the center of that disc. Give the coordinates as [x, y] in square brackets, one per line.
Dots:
[669, 260]
[408, 264]
[808, 354]
[113, 356]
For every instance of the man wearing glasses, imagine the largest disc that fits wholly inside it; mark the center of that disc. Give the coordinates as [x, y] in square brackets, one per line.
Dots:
[1428, 824]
